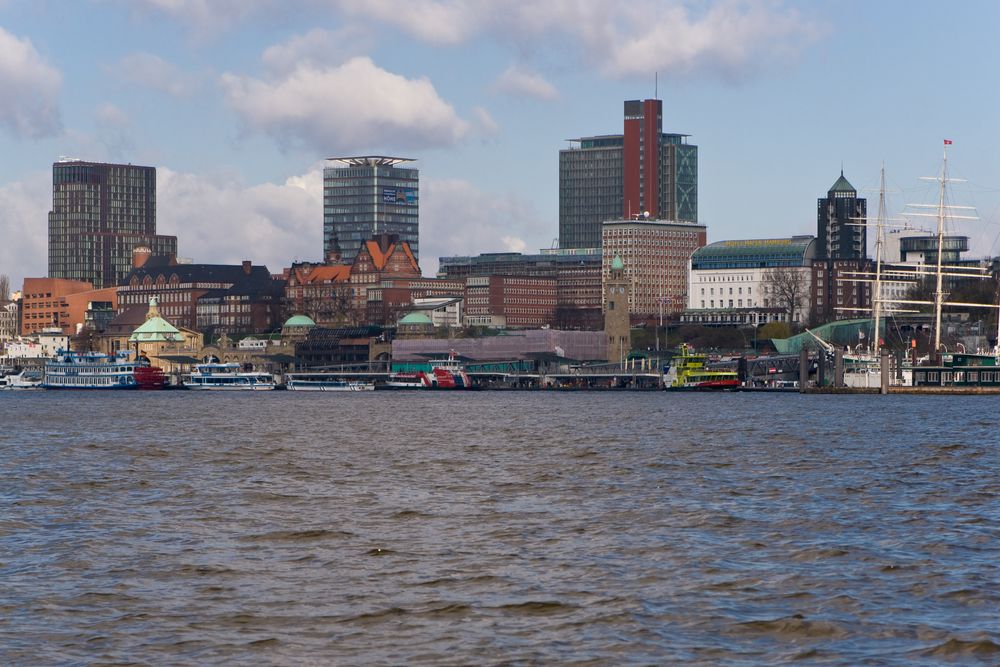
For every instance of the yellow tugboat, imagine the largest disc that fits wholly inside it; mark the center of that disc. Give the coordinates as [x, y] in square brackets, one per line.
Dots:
[690, 373]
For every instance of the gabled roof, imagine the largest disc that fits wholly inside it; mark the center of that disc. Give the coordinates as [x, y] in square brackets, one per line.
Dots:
[380, 258]
[337, 273]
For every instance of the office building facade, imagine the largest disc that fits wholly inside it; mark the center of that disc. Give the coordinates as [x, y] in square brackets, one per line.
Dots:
[365, 197]
[656, 255]
[100, 214]
[751, 281]
[625, 176]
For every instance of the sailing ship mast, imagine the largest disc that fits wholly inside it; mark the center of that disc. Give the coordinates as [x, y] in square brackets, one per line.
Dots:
[943, 212]
[879, 238]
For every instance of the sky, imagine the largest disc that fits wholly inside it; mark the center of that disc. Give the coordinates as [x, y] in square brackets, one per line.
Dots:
[238, 102]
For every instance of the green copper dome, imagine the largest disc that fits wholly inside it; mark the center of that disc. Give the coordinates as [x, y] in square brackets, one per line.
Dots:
[300, 321]
[156, 330]
[416, 318]
[617, 264]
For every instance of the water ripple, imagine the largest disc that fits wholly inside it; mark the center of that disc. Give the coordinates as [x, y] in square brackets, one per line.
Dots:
[498, 528]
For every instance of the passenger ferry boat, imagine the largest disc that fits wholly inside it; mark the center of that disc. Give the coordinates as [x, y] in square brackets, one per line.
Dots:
[444, 374]
[92, 370]
[325, 382]
[227, 377]
[689, 372]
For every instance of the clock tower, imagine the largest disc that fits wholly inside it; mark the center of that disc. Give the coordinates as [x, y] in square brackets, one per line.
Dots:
[617, 325]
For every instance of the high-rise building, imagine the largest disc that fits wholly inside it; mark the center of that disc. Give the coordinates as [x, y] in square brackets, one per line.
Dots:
[624, 176]
[840, 229]
[841, 255]
[100, 214]
[370, 195]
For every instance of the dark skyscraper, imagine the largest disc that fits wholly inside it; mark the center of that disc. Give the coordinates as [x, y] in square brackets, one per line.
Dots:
[370, 195]
[841, 254]
[611, 177]
[840, 232]
[100, 213]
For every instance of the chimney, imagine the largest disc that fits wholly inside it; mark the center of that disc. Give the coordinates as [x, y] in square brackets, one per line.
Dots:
[140, 255]
[247, 264]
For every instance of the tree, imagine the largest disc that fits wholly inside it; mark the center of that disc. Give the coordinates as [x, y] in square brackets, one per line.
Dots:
[785, 287]
[335, 308]
[4, 287]
[773, 330]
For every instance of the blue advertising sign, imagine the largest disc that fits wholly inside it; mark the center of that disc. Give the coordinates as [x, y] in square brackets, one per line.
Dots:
[399, 196]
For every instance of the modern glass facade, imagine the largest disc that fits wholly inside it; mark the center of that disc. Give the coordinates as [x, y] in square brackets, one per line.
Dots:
[597, 174]
[369, 196]
[590, 190]
[100, 214]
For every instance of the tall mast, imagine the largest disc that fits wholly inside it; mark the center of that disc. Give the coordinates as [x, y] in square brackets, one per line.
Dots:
[877, 296]
[938, 292]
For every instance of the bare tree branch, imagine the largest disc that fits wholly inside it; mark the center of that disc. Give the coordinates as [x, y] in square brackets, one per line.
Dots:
[786, 287]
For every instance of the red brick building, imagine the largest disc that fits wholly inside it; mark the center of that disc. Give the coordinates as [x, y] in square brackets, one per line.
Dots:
[58, 302]
[218, 298]
[510, 301]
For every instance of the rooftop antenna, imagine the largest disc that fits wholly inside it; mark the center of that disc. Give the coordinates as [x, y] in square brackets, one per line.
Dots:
[656, 85]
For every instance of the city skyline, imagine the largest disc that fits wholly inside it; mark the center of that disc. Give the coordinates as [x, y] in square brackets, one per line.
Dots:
[237, 104]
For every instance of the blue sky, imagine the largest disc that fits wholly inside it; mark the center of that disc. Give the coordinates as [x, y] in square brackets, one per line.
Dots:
[237, 103]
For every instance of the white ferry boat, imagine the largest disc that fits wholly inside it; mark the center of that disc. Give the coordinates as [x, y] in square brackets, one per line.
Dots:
[325, 382]
[227, 377]
[91, 370]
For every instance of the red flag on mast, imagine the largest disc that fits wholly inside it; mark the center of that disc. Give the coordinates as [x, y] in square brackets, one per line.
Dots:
[947, 142]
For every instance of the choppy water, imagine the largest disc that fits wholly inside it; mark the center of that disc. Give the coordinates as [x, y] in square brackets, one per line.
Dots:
[498, 528]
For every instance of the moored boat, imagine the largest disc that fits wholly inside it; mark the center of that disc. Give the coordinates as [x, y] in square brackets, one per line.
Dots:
[325, 382]
[417, 380]
[690, 372]
[227, 377]
[447, 373]
[26, 379]
[92, 370]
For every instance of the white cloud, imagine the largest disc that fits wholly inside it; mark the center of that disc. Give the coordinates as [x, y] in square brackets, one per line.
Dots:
[29, 89]
[24, 209]
[522, 82]
[457, 218]
[219, 219]
[621, 39]
[354, 106]
[316, 48]
[151, 71]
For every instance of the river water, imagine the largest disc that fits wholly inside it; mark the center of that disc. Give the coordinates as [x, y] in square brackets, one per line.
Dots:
[498, 528]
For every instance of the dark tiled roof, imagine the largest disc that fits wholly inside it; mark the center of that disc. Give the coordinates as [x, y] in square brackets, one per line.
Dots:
[205, 273]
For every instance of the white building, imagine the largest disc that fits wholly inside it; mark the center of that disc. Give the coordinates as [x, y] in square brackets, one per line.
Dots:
[443, 311]
[728, 282]
[8, 320]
